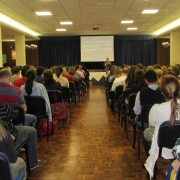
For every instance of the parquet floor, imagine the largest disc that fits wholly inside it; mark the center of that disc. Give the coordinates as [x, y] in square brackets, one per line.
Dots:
[91, 146]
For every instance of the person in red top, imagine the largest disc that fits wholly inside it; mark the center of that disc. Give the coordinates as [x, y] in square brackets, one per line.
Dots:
[22, 80]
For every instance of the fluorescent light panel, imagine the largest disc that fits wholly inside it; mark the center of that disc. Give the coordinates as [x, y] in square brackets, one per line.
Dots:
[127, 22]
[168, 27]
[15, 24]
[60, 29]
[43, 13]
[132, 28]
[65, 22]
[153, 11]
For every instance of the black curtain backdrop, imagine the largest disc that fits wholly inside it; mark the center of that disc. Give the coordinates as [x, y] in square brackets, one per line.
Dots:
[128, 49]
[55, 51]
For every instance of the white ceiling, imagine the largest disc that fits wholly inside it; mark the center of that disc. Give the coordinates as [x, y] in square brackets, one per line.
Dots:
[84, 14]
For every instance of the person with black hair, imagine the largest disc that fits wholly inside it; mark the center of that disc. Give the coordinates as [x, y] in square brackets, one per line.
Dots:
[15, 74]
[39, 71]
[20, 81]
[49, 82]
[59, 77]
[149, 95]
[33, 88]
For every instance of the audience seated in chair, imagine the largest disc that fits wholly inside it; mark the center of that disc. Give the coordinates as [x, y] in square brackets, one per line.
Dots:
[7, 147]
[39, 71]
[13, 95]
[59, 77]
[22, 80]
[21, 134]
[33, 88]
[15, 74]
[49, 82]
[169, 87]
[150, 94]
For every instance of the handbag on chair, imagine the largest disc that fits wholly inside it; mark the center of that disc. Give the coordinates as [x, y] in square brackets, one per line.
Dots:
[59, 109]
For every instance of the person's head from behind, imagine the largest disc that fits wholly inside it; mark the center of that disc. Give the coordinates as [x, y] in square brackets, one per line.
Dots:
[71, 70]
[5, 75]
[176, 70]
[39, 70]
[64, 73]
[125, 71]
[112, 69]
[150, 77]
[48, 77]
[169, 87]
[15, 70]
[24, 70]
[157, 66]
[59, 70]
[117, 72]
[139, 65]
[30, 75]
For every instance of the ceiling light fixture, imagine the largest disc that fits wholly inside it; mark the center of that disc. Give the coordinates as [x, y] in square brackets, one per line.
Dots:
[43, 13]
[7, 20]
[127, 22]
[65, 22]
[168, 27]
[60, 29]
[153, 11]
[132, 28]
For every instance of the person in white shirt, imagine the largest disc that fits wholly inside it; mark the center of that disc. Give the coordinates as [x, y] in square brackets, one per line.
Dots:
[169, 110]
[120, 78]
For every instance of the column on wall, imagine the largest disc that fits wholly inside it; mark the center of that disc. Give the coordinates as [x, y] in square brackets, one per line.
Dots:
[174, 48]
[1, 60]
[20, 50]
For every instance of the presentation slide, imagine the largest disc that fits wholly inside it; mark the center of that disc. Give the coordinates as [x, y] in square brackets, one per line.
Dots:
[97, 48]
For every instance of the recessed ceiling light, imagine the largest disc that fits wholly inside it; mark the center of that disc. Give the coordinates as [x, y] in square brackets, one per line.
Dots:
[65, 22]
[43, 13]
[60, 29]
[132, 28]
[127, 22]
[150, 11]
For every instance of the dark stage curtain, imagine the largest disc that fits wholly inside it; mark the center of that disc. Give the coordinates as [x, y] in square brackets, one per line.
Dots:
[54, 51]
[133, 49]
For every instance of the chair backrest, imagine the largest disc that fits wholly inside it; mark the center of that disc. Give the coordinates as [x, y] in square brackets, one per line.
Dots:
[36, 105]
[54, 96]
[21, 117]
[110, 84]
[131, 102]
[5, 169]
[65, 94]
[118, 91]
[144, 116]
[77, 83]
[167, 136]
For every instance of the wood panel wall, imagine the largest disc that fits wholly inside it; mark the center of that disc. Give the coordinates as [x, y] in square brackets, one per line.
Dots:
[32, 56]
[162, 53]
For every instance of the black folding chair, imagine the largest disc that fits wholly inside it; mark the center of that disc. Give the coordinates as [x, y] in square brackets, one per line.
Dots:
[66, 98]
[117, 93]
[5, 169]
[36, 105]
[167, 138]
[142, 124]
[129, 112]
[72, 91]
[54, 96]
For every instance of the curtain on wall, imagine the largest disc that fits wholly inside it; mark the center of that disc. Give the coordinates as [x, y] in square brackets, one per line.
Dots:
[130, 49]
[54, 51]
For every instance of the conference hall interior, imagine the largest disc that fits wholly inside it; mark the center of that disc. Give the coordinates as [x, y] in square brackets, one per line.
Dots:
[100, 139]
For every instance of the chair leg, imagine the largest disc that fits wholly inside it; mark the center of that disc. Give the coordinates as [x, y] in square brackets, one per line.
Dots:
[114, 104]
[155, 171]
[127, 126]
[47, 129]
[134, 139]
[139, 137]
[27, 160]
[52, 127]
[70, 108]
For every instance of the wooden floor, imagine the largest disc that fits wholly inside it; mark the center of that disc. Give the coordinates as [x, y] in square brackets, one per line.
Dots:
[91, 146]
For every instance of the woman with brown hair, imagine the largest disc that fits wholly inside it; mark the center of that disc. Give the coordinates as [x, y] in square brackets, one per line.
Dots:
[169, 110]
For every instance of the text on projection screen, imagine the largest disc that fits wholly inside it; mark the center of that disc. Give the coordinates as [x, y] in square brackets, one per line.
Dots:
[97, 48]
